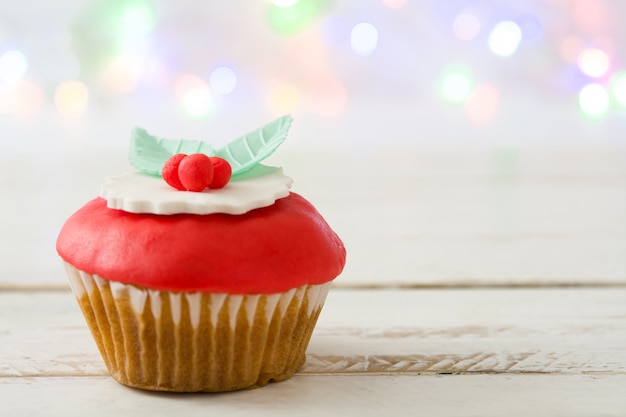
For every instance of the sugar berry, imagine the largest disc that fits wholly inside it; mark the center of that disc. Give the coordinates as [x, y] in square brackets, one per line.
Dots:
[222, 171]
[195, 172]
[170, 171]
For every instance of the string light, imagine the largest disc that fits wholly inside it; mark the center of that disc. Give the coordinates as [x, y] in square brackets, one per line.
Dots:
[505, 38]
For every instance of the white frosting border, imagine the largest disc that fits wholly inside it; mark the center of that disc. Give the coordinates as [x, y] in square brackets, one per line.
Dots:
[134, 192]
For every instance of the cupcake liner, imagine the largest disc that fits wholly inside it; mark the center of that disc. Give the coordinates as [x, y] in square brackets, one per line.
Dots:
[187, 342]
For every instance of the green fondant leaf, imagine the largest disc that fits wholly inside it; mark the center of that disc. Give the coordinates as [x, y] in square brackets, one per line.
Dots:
[246, 151]
[148, 153]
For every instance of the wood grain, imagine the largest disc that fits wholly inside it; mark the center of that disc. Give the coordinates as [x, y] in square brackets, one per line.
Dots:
[483, 283]
[346, 395]
[566, 331]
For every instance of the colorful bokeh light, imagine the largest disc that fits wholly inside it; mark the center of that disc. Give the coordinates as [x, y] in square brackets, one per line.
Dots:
[482, 104]
[195, 96]
[364, 39]
[289, 17]
[23, 99]
[394, 4]
[593, 62]
[13, 67]
[223, 80]
[530, 26]
[456, 84]
[122, 73]
[466, 26]
[284, 3]
[618, 88]
[283, 98]
[569, 48]
[71, 98]
[594, 100]
[137, 17]
[329, 97]
[505, 38]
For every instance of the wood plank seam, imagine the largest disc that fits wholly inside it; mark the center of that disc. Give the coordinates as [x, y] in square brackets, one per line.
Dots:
[539, 283]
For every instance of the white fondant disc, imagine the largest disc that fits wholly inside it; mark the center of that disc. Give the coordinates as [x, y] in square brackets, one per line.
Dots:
[138, 193]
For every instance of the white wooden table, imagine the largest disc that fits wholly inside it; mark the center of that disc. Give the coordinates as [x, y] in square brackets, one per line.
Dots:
[487, 283]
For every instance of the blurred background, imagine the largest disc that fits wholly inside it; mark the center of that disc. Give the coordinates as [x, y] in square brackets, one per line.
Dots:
[352, 73]
[358, 76]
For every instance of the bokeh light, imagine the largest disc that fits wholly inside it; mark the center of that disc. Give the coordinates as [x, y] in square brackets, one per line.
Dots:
[138, 17]
[284, 3]
[594, 100]
[593, 62]
[482, 104]
[456, 84]
[530, 27]
[283, 98]
[394, 4]
[589, 16]
[618, 87]
[466, 26]
[71, 98]
[223, 80]
[364, 39]
[122, 74]
[288, 17]
[336, 30]
[154, 71]
[569, 48]
[13, 67]
[505, 38]
[329, 97]
[194, 95]
[23, 99]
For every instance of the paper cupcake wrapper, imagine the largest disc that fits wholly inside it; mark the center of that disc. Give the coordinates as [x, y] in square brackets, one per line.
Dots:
[178, 341]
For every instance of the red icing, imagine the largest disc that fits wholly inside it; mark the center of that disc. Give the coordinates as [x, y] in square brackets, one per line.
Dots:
[267, 250]
[222, 172]
[170, 171]
[195, 172]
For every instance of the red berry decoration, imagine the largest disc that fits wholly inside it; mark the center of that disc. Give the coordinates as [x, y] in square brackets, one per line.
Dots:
[222, 171]
[195, 172]
[170, 171]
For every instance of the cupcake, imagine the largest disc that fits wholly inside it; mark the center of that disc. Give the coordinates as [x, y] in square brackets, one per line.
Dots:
[201, 276]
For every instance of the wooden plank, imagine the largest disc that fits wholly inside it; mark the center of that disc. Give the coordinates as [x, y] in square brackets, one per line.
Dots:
[315, 395]
[570, 331]
[417, 218]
